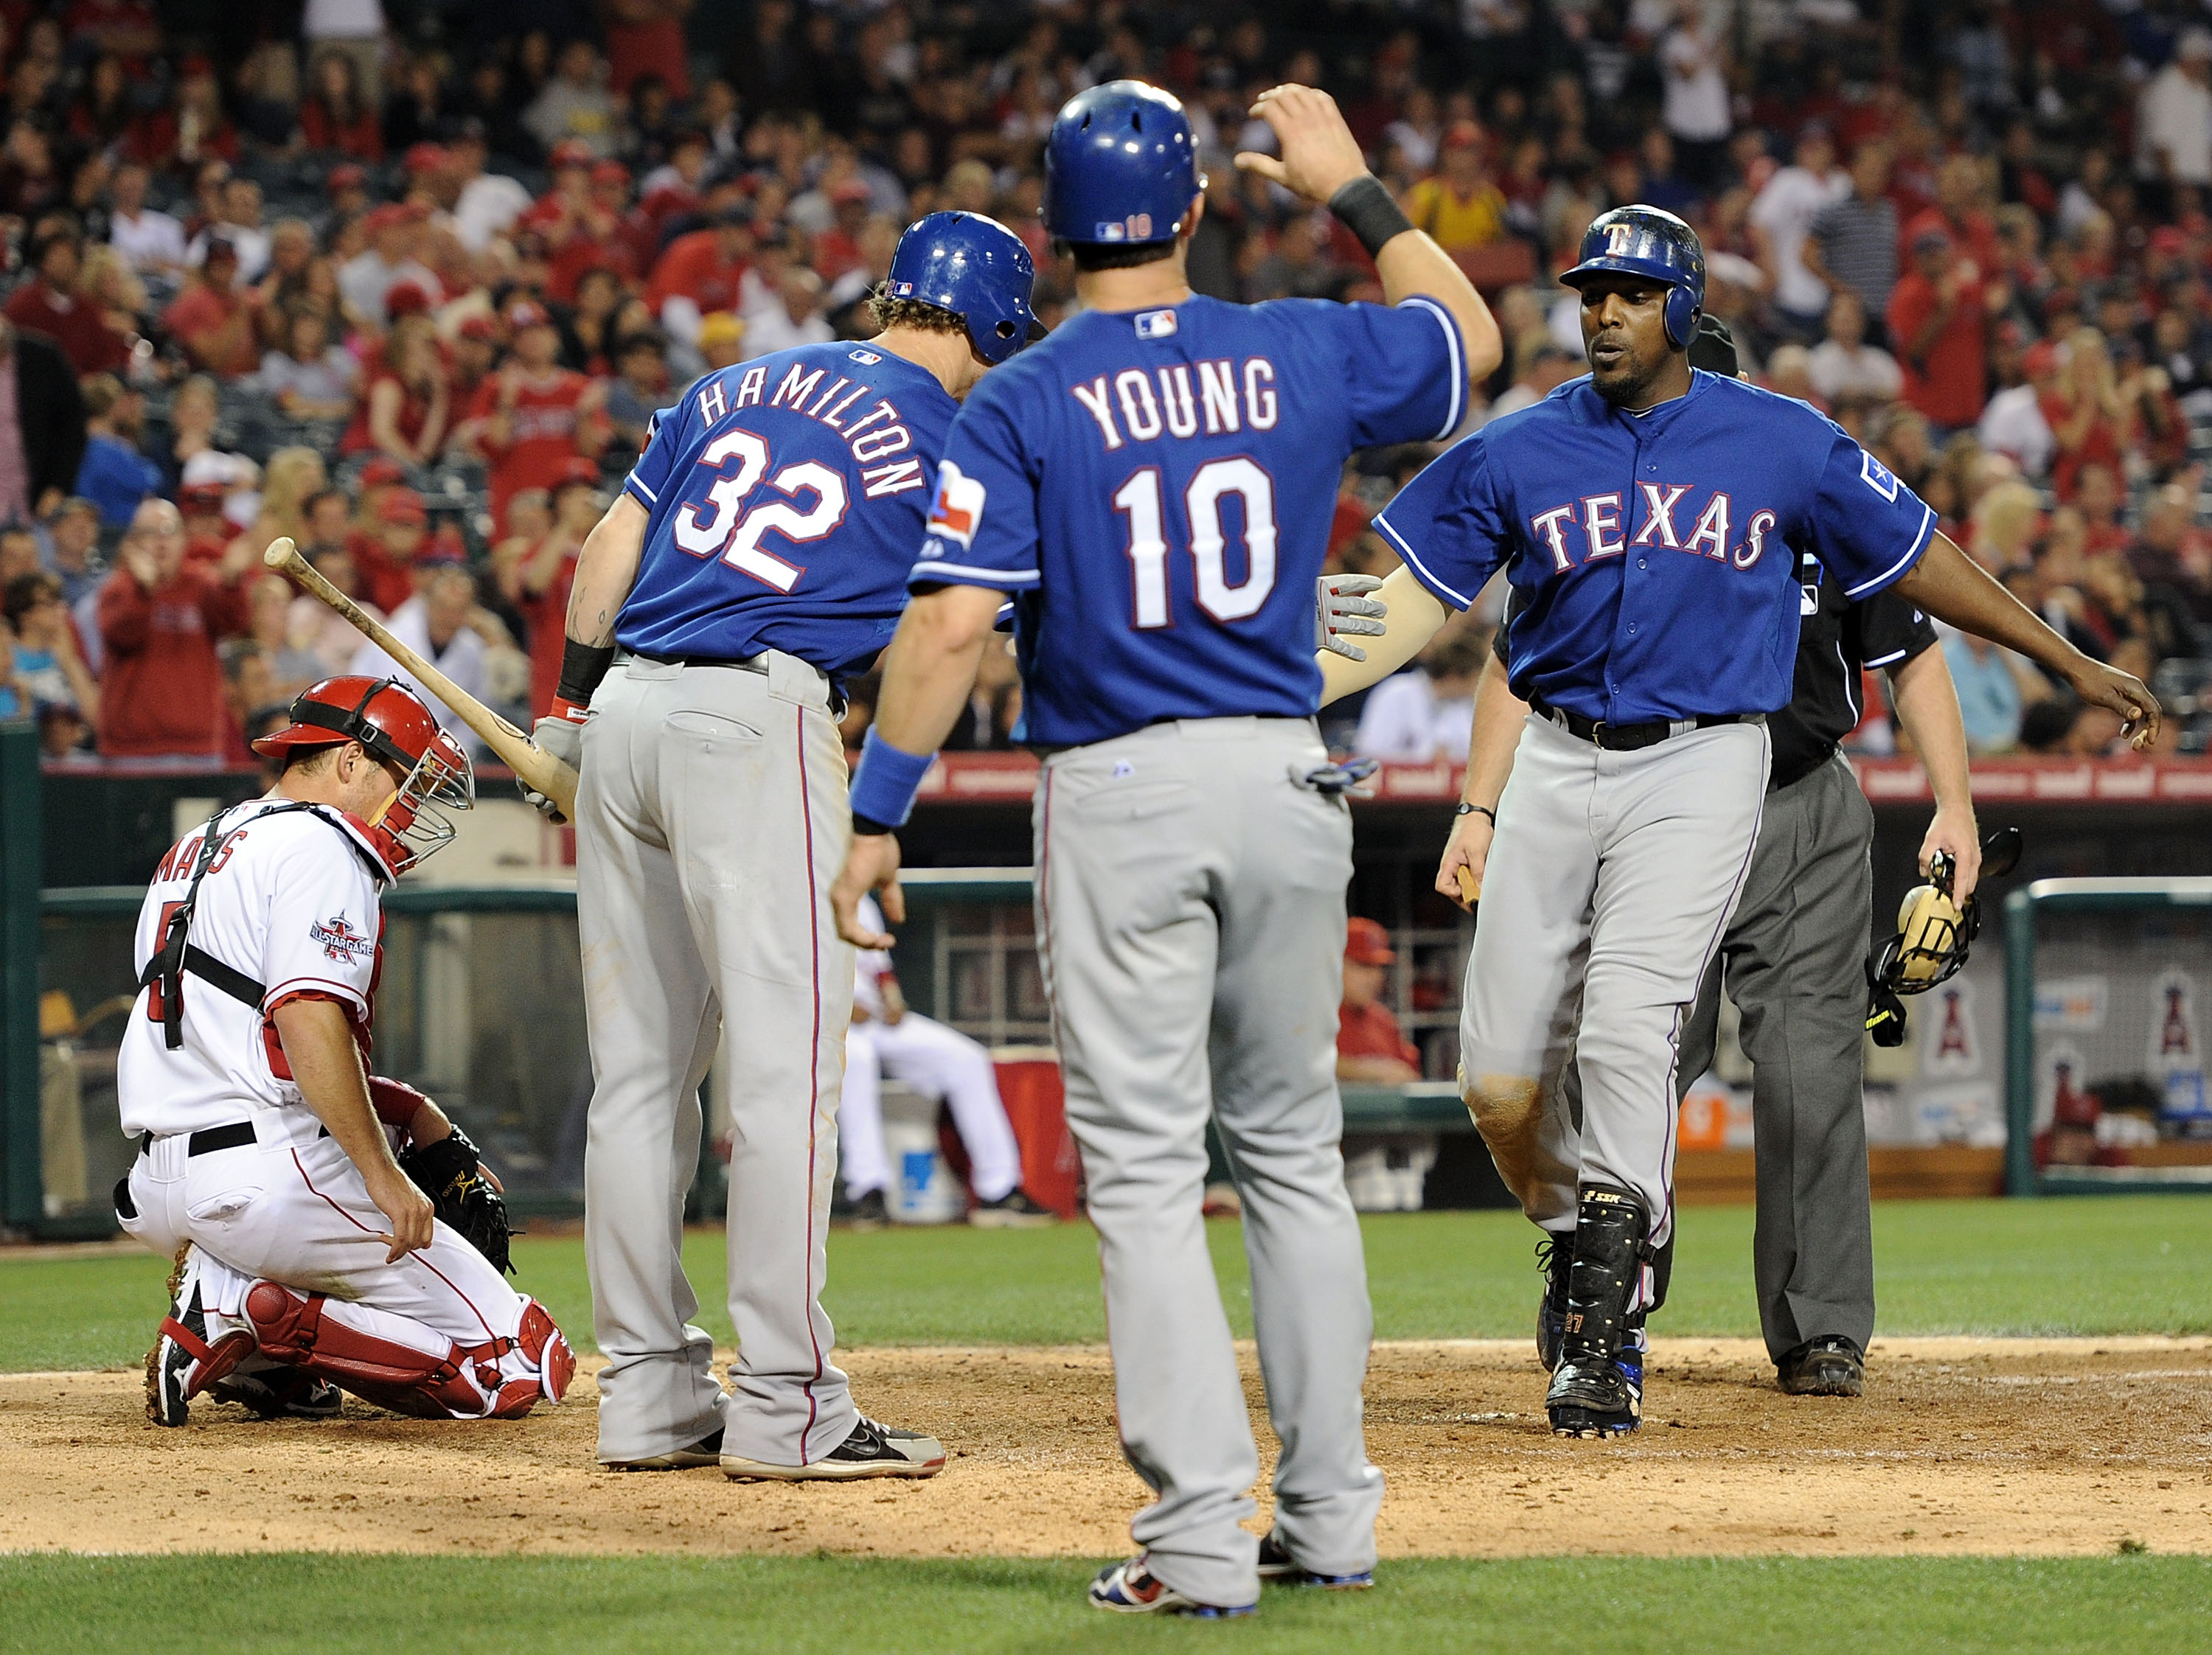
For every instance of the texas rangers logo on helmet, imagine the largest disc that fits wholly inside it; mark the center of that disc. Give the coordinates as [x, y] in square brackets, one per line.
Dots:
[340, 940]
[959, 505]
[1617, 237]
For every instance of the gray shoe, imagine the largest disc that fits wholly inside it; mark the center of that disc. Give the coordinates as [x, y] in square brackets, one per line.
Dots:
[708, 1450]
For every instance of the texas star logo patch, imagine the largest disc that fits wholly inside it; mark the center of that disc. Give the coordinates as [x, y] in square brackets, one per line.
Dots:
[1877, 476]
[959, 505]
[339, 940]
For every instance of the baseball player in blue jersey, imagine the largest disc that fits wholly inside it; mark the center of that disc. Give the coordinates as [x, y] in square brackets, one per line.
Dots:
[1652, 518]
[757, 554]
[1153, 484]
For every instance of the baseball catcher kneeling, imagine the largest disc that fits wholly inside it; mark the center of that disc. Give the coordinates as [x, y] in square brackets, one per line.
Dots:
[330, 1232]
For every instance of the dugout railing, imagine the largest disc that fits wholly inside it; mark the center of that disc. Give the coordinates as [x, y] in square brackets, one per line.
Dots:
[2105, 1060]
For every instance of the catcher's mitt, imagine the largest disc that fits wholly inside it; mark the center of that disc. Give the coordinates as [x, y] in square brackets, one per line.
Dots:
[450, 1173]
[1934, 934]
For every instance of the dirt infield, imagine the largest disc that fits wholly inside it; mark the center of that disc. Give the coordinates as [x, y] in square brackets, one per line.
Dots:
[1961, 1445]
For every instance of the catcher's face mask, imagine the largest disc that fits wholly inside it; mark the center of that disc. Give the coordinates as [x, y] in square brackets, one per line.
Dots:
[1934, 934]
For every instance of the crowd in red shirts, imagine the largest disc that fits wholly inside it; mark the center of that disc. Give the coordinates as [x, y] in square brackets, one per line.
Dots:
[412, 294]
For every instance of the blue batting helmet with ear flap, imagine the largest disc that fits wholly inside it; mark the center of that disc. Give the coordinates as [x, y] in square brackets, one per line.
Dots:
[1639, 240]
[1120, 166]
[977, 269]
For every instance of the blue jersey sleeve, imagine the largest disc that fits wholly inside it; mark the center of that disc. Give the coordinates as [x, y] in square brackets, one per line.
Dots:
[1405, 371]
[1448, 525]
[982, 529]
[1865, 525]
[664, 441]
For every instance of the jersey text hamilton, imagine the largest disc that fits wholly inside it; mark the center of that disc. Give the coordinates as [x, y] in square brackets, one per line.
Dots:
[873, 436]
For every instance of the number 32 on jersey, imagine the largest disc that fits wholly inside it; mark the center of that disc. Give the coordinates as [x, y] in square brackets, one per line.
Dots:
[1211, 485]
[728, 529]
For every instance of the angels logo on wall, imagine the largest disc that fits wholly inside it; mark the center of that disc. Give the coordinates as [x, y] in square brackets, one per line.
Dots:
[1952, 1044]
[2174, 1051]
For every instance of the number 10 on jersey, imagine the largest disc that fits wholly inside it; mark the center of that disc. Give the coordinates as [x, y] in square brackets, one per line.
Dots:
[1139, 500]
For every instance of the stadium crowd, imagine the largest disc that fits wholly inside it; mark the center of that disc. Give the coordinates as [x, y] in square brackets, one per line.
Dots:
[408, 282]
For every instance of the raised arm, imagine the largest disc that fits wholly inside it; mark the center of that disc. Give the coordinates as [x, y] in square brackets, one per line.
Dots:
[1952, 586]
[1322, 163]
[1414, 617]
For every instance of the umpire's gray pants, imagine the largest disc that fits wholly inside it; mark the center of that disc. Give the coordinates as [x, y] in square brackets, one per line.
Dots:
[1793, 962]
[711, 817]
[1190, 921]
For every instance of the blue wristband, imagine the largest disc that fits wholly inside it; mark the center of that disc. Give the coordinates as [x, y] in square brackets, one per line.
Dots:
[884, 785]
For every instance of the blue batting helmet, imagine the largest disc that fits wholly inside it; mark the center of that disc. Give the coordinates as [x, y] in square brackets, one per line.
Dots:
[975, 267]
[1120, 166]
[1638, 240]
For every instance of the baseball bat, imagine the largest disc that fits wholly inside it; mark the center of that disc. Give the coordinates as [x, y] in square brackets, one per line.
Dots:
[539, 768]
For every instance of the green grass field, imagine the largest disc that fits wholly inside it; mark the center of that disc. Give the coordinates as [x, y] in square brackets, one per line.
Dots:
[2087, 1265]
[2083, 1266]
[676, 1606]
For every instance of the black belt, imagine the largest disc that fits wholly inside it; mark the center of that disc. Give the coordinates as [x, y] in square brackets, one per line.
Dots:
[1631, 738]
[206, 1142]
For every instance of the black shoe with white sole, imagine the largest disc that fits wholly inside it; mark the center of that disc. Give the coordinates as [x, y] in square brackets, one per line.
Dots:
[872, 1449]
[182, 1363]
[708, 1450]
[1015, 1210]
[279, 1390]
[870, 1212]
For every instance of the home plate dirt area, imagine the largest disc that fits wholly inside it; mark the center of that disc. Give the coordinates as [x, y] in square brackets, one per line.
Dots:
[1963, 1446]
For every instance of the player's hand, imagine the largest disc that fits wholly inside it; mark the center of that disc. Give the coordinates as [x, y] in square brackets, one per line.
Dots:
[1320, 156]
[1467, 852]
[872, 865]
[2122, 693]
[1340, 611]
[1954, 834]
[407, 1208]
[559, 738]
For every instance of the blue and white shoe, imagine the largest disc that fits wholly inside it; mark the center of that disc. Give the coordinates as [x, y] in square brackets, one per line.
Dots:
[1598, 1399]
[1276, 1563]
[1130, 1587]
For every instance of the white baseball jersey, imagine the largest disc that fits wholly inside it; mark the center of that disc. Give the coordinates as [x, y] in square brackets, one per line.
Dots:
[293, 903]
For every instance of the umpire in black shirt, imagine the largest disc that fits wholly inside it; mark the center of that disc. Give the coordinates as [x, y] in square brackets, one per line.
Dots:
[1793, 958]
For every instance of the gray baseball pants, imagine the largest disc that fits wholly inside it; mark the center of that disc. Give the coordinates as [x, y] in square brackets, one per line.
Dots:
[711, 818]
[1609, 883]
[1190, 921]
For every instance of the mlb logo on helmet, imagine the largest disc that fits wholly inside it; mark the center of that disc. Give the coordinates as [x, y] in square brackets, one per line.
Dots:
[901, 289]
[959, 505]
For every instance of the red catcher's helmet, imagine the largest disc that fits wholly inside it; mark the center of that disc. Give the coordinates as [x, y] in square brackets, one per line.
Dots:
[393, 725]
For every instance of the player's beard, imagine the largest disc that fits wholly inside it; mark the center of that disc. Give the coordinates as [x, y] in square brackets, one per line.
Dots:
[1630, 383]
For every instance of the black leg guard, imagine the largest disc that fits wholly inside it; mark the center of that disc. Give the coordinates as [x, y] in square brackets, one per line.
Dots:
[1598, 1388]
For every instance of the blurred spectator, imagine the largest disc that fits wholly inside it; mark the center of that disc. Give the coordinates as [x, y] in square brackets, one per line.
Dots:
[249, 684]
[1845, 364]
[42, 432]
[2014, 422]
[149, 240]
[1784, 213]
[113, 475]
[443, 623]
[408, 411]
[211, 318]
[530, 416]
[643, 389]
[1994, 686]
[207, 533]
[161, 692]
[1695, 66]
[238, 220]
[1460, 207]
[487, 203]
[314, 627]
[388, 261]
[539, 584]
[1426, 713]
[2173, 117]
[797, 320]
[2089, 424]
[310, 377]
[588, 329]
[73, 537]
[722, 340]
[48, 304]
[576, 105]
[2064, 726]
[703, 269]
[1938, 322]
[49, 669]
[1370, 1045]
[1545, 368]
[388, 560]
[2173, 553]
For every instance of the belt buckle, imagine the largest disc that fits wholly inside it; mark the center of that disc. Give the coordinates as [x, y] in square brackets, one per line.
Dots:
[1598, 736]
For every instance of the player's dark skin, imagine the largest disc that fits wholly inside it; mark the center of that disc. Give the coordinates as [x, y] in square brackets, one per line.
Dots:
[1634, 366]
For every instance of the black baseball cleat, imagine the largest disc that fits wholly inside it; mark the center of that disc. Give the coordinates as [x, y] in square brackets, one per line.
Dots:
[708, 1450]
[1556, 1253]
[1830, 1366]
[278, 1391]
[182, 1363]
[870, 1212]
[1014, 1210]
[872, 1449]
[1598, 1400]
[1276, 1563]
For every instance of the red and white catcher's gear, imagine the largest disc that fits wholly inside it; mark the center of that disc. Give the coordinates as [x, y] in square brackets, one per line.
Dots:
[392, 722]
[398, 1363]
